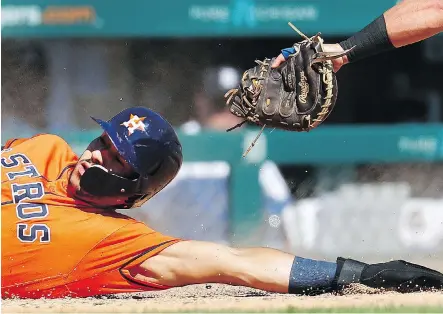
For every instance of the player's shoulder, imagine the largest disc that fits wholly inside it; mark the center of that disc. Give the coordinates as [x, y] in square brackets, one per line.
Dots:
[47, 136]
[51, 140]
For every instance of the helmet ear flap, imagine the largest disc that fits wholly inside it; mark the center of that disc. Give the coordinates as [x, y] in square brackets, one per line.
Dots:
[98, 181]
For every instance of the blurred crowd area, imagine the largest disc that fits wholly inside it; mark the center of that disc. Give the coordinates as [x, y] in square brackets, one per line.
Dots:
[55, 85]
[424, 180]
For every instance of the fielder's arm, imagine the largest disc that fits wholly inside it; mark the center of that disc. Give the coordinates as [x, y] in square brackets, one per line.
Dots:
[411, 21]
[408, 22]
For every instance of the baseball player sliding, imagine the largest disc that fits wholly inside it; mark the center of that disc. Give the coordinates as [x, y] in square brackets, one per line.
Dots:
[62, 237]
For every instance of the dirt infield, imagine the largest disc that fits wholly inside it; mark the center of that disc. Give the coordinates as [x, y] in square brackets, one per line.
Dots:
[221, 298]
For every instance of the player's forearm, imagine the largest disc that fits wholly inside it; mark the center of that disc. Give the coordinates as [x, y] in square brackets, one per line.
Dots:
[412, 21]
[196, 262]
[406, 23]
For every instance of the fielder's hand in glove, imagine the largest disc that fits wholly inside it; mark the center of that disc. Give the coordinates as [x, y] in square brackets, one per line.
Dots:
[337, 63]
[297, 95]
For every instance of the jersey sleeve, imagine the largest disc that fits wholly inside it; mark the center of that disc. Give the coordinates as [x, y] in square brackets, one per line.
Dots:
[13, 142]
[134, 240]
[104, 268]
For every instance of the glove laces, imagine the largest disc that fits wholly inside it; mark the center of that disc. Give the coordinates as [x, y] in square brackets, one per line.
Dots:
[319, 57]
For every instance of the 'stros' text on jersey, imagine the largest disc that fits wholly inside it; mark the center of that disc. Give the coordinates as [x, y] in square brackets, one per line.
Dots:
[25, 196]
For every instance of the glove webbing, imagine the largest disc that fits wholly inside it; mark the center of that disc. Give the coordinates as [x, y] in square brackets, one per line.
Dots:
[319, 57]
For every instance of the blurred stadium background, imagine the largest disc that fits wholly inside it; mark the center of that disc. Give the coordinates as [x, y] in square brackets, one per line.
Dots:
[367, 184]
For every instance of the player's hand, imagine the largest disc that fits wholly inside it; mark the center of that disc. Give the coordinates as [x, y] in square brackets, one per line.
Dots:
[337, 63]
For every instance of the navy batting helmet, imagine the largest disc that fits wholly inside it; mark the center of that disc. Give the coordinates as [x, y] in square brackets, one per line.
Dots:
[148, 143]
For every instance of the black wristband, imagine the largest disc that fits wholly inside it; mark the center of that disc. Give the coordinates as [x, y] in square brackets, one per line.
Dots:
[371, 40]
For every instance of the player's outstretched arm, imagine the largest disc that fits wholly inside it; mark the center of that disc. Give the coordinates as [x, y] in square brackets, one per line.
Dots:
[408, 22]
[197, 262]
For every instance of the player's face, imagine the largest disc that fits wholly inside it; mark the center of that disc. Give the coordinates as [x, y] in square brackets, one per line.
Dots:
[102, 152]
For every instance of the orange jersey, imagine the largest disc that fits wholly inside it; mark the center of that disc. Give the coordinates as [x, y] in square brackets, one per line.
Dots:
[54, 245]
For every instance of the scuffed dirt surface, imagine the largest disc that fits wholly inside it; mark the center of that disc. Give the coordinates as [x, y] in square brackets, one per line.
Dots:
[221, 298]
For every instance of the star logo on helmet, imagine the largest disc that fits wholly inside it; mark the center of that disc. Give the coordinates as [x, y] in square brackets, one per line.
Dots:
[134, 123]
